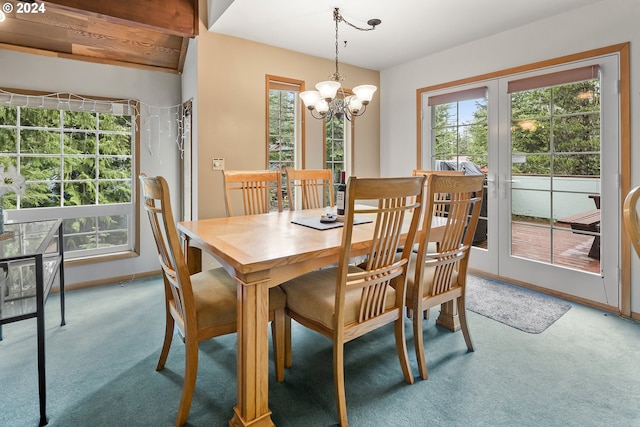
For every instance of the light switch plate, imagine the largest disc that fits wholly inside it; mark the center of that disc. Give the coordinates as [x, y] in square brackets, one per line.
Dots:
[218, 164]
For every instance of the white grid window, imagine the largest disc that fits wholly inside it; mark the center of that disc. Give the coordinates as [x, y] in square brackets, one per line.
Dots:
[78, 159]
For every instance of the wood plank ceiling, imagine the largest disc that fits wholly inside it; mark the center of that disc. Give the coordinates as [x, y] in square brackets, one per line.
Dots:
[152, 34]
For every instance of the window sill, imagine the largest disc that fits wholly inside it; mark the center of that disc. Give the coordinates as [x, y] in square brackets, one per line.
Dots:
[100, 258]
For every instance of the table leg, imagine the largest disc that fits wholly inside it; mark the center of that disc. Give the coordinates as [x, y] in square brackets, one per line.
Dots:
[4, 271]
[42, 382]
[448, 317]
[61, 275]
[253, 356]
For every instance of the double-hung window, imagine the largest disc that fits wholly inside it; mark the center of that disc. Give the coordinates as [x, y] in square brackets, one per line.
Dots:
[78, 157]
[285, 133]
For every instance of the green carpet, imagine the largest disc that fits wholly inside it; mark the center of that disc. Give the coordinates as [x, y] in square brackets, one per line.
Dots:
[583, 371]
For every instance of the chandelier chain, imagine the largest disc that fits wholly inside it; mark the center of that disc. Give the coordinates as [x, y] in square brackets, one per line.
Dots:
[337, 17]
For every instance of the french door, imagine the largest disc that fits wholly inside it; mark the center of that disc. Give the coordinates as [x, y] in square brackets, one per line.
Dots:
[548, 144]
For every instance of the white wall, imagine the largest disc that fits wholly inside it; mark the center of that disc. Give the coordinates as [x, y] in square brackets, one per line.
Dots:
[602, 24]
[40, 73]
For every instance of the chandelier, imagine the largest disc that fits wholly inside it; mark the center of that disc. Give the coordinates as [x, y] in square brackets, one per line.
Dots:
[323, 102]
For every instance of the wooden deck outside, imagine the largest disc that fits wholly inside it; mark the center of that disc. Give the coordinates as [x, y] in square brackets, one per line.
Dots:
[570, 249]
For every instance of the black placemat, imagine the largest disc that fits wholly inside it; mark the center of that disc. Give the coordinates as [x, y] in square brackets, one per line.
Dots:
[318, 225]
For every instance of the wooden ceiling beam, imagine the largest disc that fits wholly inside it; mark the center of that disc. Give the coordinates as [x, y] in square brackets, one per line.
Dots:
[178, 17]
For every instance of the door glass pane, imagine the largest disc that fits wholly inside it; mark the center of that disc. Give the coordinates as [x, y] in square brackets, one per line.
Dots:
[460, 132]
[555, 182]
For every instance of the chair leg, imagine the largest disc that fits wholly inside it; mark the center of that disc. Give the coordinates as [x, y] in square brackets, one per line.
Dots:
[278, 334]
[288, 361]
[401, 347]
[418, 343]
[168, 337]
[338, 380]
[462, 314]
[188, 388]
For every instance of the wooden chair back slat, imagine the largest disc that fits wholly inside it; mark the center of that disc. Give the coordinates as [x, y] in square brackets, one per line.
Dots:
[439, 210]
[257, 190]
[630, 218]
[314, 187]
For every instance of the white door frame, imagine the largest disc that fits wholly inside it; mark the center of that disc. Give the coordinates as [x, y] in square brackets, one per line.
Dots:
[604, 289]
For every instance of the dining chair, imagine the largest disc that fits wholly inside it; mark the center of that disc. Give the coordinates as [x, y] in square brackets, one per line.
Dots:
[438, 273]
[202, 305]
[427, 172]
[260, 190]
[630, 218]
[346, 302]
[314, 188]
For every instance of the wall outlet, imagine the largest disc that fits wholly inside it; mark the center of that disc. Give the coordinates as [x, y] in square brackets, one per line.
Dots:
[218, 164]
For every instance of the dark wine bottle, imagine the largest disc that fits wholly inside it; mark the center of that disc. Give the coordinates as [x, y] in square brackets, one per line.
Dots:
[341, 195]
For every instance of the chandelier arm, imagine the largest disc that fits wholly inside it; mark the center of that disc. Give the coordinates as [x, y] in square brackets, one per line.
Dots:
[350, 114]
[361, 112]
[319, 116]
[338, 17]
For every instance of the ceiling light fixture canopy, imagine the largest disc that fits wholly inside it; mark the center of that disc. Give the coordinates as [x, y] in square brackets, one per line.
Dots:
[323, 103]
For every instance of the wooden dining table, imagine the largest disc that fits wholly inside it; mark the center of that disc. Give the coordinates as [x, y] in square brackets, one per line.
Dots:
[263, 251]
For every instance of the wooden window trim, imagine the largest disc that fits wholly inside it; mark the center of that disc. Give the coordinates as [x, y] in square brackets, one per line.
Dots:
[284, 83]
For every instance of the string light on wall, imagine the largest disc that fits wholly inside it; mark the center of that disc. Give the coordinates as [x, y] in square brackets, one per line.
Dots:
[158, 124]
[324, 103]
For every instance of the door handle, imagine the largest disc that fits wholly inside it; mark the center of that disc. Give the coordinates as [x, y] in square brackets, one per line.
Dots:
[506, 185]
[492, 184]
